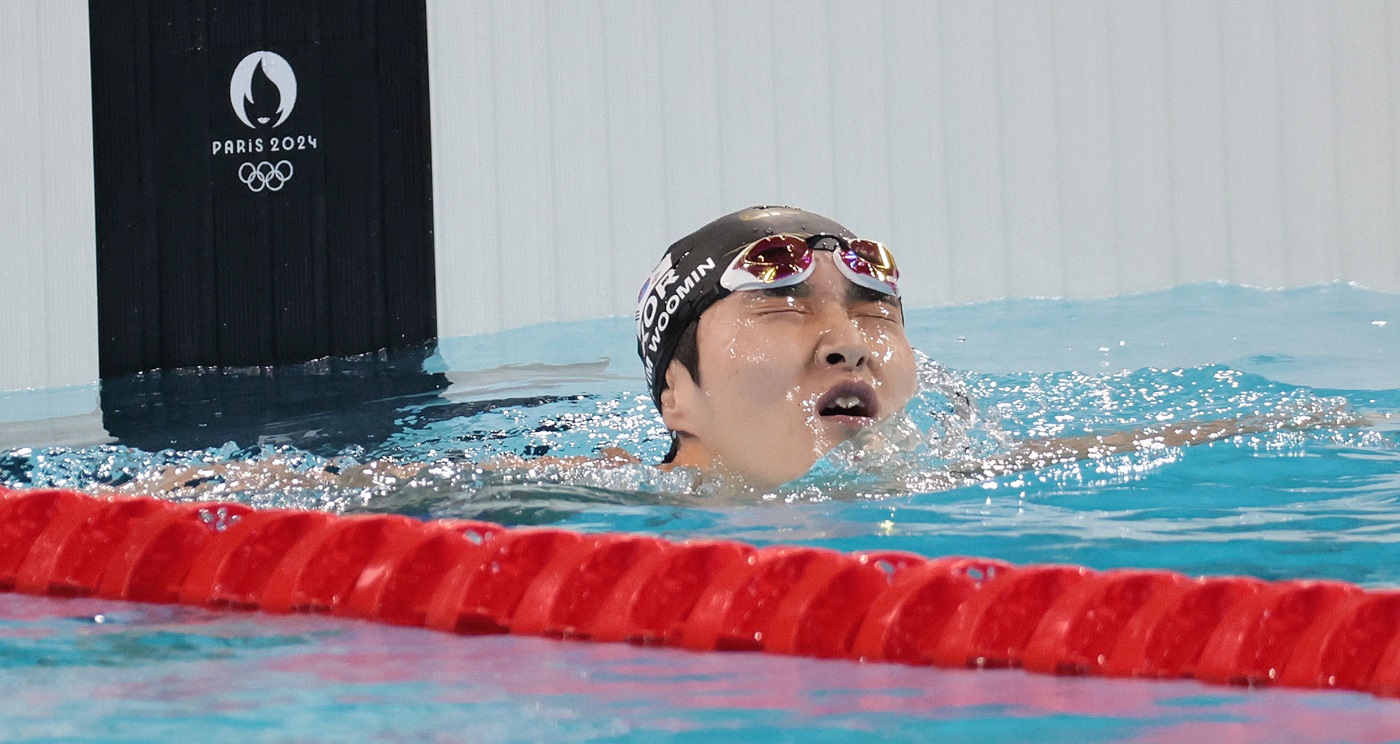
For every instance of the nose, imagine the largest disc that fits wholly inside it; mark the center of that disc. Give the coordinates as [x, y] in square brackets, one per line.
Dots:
[843, 345]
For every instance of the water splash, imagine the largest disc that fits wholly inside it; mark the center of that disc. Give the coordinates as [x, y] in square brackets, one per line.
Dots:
[518, 461]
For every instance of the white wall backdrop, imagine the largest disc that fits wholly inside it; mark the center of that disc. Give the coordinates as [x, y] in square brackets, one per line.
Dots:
[48, 275]
[1007, 147]
[1011, 147]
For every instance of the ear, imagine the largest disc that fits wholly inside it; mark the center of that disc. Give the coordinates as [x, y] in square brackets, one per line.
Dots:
[679, 401]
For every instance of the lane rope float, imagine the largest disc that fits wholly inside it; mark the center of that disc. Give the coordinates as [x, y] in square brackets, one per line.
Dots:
[472, 577]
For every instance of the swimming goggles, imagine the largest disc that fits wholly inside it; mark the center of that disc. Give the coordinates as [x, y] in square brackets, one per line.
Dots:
[786, 259]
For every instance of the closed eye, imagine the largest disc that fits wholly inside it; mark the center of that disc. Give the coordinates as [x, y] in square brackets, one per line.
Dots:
[867, 303]
[861, 295]
[778, 299]
[876, 309]
[792, 290]
[781, 305]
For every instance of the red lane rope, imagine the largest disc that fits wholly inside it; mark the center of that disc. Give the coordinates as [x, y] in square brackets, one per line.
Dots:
[474, 577]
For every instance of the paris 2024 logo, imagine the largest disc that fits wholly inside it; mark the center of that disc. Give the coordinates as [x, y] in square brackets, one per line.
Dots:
[262, 92]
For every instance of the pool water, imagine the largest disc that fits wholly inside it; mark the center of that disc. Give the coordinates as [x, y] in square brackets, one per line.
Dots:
[156, 673]
[1316, 503]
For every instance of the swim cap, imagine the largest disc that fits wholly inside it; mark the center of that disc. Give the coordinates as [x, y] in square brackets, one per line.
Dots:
[686, 282]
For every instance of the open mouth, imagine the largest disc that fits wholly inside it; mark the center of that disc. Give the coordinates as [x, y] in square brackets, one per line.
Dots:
[848, 400]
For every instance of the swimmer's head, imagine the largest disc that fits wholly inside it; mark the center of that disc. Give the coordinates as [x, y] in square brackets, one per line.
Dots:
[687, 280]
[797, 326]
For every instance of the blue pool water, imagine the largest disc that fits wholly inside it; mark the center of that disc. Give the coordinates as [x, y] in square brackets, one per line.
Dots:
[1279, 504]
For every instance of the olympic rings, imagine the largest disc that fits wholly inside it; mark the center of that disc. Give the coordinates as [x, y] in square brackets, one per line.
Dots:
[265, 175]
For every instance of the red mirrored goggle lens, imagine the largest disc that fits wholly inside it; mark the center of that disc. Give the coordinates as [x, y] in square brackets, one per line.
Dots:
[872, 259]
[775, 258]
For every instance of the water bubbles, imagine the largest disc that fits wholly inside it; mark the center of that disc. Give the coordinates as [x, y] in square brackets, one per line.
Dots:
[218, 519]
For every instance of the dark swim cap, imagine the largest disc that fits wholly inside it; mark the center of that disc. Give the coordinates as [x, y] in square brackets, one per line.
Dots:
[686, 282]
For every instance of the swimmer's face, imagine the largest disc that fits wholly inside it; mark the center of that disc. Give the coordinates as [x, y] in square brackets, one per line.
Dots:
[786, 374]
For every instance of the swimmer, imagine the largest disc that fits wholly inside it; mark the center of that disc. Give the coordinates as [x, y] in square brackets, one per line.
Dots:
[768, 337]
[772, 334]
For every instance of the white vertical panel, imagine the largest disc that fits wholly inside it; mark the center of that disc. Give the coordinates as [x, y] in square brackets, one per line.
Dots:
[1196, 131]
[69, 222]
[637, 196]
[1364, 181]
[524, 162]
[1026, 64]
[1392, 96]
[971, 153]
[1084, 122]
[22, 239]
[1312, 232]
[918, 198]
[690, 120]
[744, 70]
[1141, 154]
[806, 146]
[858, 115]
[579, 150]
[466, 226]
[1249, 90]
[47, 260]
